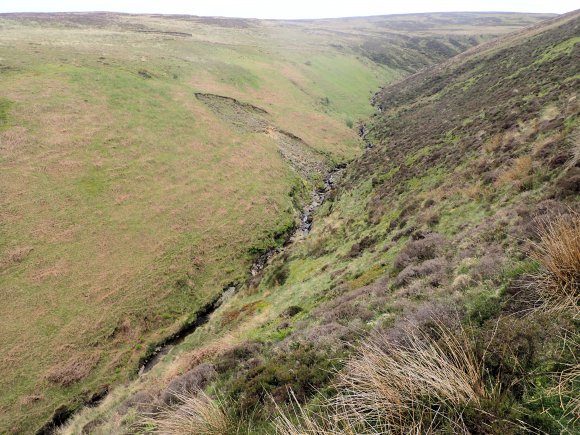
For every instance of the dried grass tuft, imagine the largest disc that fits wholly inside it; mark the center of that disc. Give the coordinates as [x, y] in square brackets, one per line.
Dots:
[300, 421]
[76, 368]
[558, 253]
[196, 414]
[418, 386]
[397, 386]
[520, 168]
[567, 380]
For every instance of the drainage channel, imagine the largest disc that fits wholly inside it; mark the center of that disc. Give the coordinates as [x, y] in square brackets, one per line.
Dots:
[63, 414]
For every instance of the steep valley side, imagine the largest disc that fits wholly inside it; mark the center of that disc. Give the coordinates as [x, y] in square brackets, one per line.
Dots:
[435, 242]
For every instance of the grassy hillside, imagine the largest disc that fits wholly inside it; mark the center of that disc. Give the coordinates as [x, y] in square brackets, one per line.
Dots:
[451, 249]
[127, 203]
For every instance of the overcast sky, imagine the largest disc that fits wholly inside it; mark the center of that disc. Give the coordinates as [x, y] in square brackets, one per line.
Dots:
[287, 8]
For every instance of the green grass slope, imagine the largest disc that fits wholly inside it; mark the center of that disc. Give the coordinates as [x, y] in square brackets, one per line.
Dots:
[126, 203]
[433, 225]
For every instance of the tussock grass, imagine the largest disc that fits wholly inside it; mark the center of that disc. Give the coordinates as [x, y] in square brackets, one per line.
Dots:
[399, 386]
[299, 421]
[558, 253]
[195, 414]
[519, 170]
[422, 385]
[419, 386]
[567, 380]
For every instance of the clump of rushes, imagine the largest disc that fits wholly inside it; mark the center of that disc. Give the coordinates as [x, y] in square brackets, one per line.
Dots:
[421, 385]
[193, 414]
[319, 420]
[558, 253]
[433, 382]
[412, 386]
[567, 380]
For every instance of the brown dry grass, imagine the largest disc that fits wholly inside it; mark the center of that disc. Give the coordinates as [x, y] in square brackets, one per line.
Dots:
[198, 355]
[300, 421]
[27, 400]
[400, 388]
[398, 384]
[54, 271]
[567, 380]
[196, 414]
[75, 369]
[494, 143]
[243, 312]
[476, 191]
[521, 167]
[558, 253]
[543, 142]
[16, 255]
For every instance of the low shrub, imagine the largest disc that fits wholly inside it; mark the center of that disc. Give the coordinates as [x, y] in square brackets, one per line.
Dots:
[424, 248]
[238, 356]
[194, 380]
[482, 307]
[358, 248]
[278, 275]
[302, 369]
[332, 336]
[435, 270]
[362, 303]
[461, 282]
[568, 184]
[471, 381]
[525, 359]
[291, 311]
[429, 318]
[490, 265]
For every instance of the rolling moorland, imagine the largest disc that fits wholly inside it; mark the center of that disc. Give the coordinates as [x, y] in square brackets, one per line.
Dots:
[148, 160]
[438, 289]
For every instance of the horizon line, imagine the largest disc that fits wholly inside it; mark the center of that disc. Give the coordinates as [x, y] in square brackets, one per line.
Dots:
[287, 19]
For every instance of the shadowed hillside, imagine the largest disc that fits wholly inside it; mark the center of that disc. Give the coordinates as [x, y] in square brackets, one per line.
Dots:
[448, 255]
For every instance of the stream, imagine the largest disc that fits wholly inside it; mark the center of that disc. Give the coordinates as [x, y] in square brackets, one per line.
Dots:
[304, 227]
[63, 414]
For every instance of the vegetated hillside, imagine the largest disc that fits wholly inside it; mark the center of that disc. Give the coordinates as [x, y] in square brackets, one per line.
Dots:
[450, 249]
[145, 160]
